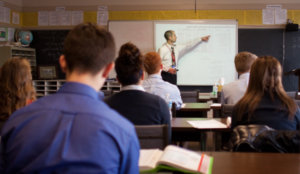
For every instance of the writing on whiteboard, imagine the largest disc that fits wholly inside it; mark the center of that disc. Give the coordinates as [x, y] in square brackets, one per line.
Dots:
[1, 3]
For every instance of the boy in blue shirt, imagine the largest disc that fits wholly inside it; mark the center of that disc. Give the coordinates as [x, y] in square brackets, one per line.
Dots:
[73, 131]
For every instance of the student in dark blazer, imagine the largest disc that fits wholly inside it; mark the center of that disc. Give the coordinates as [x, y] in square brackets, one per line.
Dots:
[138, 106]
[265, 101]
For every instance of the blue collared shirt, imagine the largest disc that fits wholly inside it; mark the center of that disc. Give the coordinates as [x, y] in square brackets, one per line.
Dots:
[71, 131]
[155, 85]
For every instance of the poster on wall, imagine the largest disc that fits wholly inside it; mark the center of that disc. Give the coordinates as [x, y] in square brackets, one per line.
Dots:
[16, 18]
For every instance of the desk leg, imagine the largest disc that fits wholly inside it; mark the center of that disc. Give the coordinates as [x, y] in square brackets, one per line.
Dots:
[218, 141]
[203, 141]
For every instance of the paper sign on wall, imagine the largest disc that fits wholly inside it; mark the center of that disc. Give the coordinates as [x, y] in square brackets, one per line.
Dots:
[54, 18]
[65, 18]
[2, 34]
[6, 18]
[77, 17]
[43, 18]
[16, 18]
[100, 8]
[102, 17]
[1, 14]
[11, 34]
[274, 6]
[280, 16]
[268, 16]
[60, 8]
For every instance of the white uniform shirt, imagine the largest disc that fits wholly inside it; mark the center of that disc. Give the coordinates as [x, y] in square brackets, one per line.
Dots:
[155, 85]
[234, 91]
[166, 53]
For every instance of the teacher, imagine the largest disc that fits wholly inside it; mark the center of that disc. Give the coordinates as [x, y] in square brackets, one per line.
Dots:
[169, 55]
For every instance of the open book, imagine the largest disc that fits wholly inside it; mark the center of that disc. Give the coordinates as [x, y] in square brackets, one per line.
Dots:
[176, 159]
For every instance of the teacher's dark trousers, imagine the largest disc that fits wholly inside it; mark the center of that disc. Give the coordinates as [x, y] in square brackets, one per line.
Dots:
[172, 78]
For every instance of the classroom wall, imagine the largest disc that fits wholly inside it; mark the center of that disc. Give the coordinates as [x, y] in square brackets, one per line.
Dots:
[155, 5]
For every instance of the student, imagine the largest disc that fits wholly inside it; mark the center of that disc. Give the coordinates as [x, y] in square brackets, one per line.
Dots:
[73, 131]
[154, 83]
[234, 91]
[16, 90]
[138, 106]
[265, 101]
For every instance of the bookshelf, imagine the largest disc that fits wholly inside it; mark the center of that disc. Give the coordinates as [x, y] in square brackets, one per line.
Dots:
[46, 87]
[7, 52]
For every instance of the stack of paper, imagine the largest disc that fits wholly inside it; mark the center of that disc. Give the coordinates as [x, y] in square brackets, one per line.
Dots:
[207, 124]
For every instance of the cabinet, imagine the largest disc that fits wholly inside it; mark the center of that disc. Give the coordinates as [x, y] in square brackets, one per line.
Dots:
[46, 87]
[7, 52]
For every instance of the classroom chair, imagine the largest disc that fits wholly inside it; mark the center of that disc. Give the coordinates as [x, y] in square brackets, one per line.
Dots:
[292, 94]
[190, 96]
[261, 138]
[173, 110]
[107, 93]
[153, 136]
[226, 110]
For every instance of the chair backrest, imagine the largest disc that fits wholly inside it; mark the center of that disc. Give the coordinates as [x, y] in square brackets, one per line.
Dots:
[292, 94]
[298, 102]
[107, 92]
[261, 138]
[190, 96]
[153, 136]
[226, 110]
[173, 110]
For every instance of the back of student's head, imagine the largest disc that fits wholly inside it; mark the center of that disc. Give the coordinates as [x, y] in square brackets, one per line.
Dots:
[15, 86]
[265, 79]
[152, 63]
[243, 61]
[129, 64]
[88, 48]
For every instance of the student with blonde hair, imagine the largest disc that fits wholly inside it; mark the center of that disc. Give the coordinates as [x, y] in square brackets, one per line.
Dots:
[265, 101]
[234, 91]
[16, 90]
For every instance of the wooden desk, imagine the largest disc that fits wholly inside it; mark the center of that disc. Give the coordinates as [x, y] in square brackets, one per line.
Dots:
[181, 124]
[183, 131]
[255, 163]
[193, 110]
[208, 97]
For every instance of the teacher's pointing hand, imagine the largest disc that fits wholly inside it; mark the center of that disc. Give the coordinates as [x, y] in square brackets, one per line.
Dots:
[205, 38]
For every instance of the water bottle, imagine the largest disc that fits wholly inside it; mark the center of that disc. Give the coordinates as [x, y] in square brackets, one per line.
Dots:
[215, 89]
[169, 102]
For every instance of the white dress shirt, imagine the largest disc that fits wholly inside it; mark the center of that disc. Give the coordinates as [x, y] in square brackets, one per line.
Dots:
[234, 91]
[132, 87]
[166, 53]
[155, 85]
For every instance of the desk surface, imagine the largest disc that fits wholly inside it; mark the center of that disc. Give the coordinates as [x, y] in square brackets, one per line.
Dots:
[196, 107]
[255, 163]
[181, 124]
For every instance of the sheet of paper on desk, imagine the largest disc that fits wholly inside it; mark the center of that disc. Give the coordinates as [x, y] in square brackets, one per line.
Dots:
[183, 105]
[207, 124]
[216, 104]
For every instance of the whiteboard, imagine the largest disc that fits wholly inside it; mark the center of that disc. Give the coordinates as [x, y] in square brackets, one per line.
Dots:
[209, 66]
[140, 33]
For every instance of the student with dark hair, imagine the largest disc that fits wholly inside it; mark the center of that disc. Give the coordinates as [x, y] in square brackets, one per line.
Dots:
[138, 106]
[265, 101]
[16, 90]
[73, 131]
